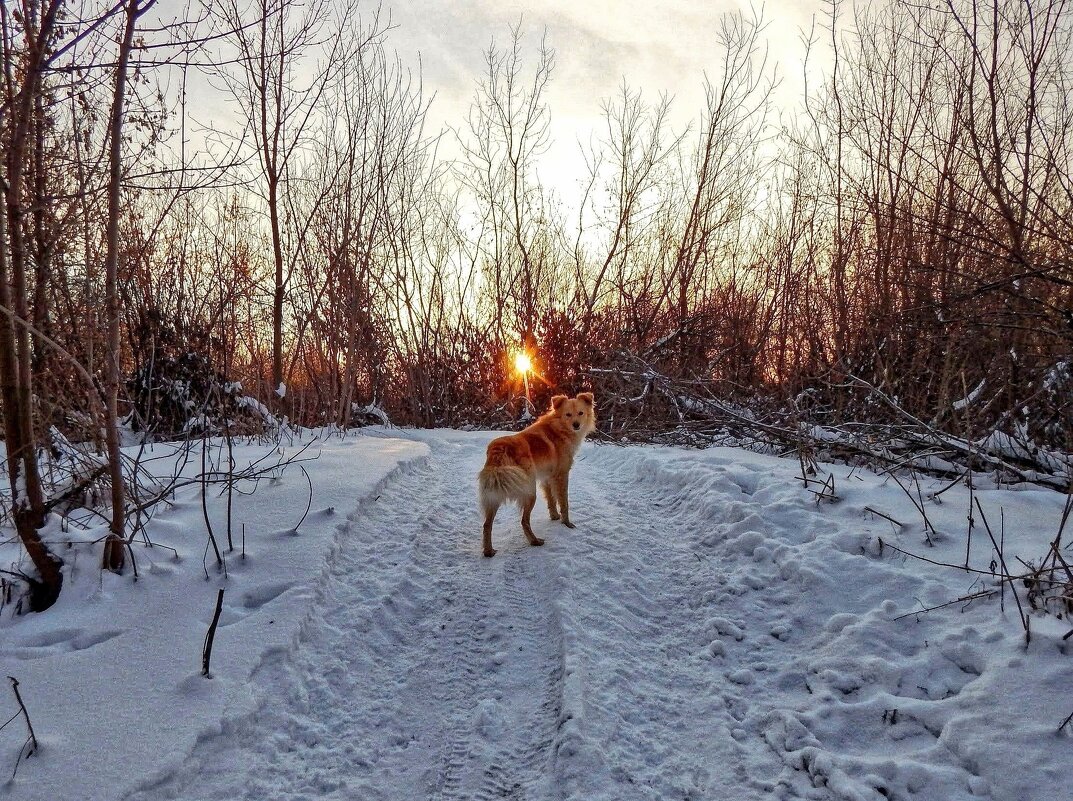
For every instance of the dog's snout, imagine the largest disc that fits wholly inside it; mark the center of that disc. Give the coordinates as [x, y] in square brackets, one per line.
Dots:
[577, 426]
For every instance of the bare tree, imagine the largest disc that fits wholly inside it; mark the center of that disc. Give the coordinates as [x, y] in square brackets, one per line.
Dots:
[113, 557]
[21, 87]
[507, 132]
[279, 89]
[636, 151]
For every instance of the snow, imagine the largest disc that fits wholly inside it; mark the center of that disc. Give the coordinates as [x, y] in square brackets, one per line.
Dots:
[111, 675]
[371, 411]
[1058, 376]
[251, 403]
[709, 631]
[970, 399]
[1004, 445]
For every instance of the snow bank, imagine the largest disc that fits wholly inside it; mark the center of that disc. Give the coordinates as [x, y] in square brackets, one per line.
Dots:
[771, 645]
[111, 675]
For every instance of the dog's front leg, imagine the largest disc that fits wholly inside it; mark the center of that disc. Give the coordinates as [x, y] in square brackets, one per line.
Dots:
[562, 491]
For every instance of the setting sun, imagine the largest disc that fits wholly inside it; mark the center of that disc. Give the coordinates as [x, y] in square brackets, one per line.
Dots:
[522, 363]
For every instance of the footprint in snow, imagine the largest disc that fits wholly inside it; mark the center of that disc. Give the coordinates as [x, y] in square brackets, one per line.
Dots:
[58, 641]
[744, 676]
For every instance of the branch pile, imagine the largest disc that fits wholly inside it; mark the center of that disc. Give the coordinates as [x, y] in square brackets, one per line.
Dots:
[639, 403]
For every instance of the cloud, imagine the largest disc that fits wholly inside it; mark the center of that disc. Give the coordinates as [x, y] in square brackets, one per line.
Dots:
[654, 46]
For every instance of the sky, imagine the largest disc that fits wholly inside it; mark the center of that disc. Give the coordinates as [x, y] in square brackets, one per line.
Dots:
[656, 46]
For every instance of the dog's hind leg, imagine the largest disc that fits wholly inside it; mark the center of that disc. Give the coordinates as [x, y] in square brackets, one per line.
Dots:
[527, 509]
[549, 496]
[562, 493]
[489, 516]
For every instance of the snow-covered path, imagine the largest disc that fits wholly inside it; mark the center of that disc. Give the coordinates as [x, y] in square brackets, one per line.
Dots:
[707, 632]
[429, 672]
[426, 671]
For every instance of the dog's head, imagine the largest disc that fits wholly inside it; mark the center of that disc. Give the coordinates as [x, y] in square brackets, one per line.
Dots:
[578, 414]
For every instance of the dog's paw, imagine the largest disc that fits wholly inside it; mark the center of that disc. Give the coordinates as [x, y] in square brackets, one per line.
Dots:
[489, 552]
[568, 524]
[536, 541]
[553, 515]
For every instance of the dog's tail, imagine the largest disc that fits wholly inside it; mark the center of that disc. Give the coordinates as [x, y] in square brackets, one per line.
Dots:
[502, 479]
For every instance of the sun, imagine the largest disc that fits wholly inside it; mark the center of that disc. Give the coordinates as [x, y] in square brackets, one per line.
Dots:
[522, 363]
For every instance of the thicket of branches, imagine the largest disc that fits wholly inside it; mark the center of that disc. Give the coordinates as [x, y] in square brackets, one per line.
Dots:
[894, 255]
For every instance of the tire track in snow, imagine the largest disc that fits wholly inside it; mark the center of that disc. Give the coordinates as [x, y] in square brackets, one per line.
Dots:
[425, 671]
[517, 718]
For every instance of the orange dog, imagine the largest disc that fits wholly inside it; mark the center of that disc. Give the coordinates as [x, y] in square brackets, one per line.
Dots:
[543, 452]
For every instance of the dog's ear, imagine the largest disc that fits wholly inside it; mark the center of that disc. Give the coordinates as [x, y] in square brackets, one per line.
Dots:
[585, 397]
[558, 401]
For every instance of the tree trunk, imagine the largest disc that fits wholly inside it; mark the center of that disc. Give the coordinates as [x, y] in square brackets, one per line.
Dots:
[27, 496]
[26, 493]
[278, 289]
[114, 558]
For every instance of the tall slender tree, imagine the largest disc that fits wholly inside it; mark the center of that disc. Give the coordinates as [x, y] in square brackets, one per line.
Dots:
[21, 85]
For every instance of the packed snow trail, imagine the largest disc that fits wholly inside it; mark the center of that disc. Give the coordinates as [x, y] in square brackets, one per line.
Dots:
[425, 672]
[662, 650]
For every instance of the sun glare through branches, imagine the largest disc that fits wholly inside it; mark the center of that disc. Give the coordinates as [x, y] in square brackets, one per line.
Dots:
[522, 363]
